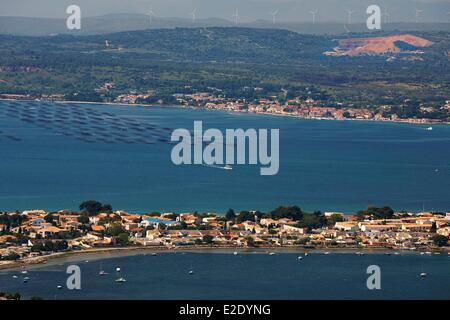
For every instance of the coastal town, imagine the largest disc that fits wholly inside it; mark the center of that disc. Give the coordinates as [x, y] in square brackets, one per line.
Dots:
[299, 107]
[32, 236]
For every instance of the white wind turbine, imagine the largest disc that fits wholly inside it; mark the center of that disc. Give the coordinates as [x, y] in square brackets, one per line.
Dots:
[235, 17]
[350, 13]
[274, 16]
[314, 13]
[193, 14]
[151, 14]
[418, 12]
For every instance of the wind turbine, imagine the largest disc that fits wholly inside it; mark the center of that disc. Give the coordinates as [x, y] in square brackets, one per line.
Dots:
[151, 14]
[274, 15]
[235, 16]
[350, 13]
[418, 12]
[193, 14]
[314, 13]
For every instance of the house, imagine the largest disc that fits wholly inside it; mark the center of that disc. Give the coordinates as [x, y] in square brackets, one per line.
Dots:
[49, 231]
[346, 226]
[156, 222]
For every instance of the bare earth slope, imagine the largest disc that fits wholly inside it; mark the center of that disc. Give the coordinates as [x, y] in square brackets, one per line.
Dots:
[377, 45]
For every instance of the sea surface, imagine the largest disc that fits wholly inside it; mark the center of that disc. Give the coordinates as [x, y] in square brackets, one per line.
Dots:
[248, 275]
[56, 156]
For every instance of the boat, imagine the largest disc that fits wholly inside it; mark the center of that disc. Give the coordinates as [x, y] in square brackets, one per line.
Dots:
[102, 273]
[423, 274]
[121, 280]
[299, 258]
[326, 253]
[429, 129]
[235, 253]
[228, 167]
[191, 272]
[117, 269]
[59, 287]
[24, 271]
[154, 254]
[271, 253]
[306, 254]
[15, 277]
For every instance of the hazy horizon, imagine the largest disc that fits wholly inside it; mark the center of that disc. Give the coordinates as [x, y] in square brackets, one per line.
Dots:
[285, 11]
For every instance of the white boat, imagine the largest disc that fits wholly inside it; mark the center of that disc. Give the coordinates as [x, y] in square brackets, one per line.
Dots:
[15, 277]
[271, 253]
[422, 253]
[306, 254]
[24, 271]
[121, 280]
[228, 167]
[423, 274]
[326, 253]
[117, 269]
[154, 254]
[235, 253]
[299, 258]
[102, 273]
[429, 129]
[191, 272]
[59, 287]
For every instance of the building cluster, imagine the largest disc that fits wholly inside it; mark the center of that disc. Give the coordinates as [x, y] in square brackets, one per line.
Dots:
[302, 108]
[39, 232]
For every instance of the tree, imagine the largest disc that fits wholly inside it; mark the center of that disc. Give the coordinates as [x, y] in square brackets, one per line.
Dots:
[245, 216]
[440, 241]
[376, 213]
[93, 207]
[207, 239]
[115, 230]
[122, 239]
[230, 215]
[292, 212]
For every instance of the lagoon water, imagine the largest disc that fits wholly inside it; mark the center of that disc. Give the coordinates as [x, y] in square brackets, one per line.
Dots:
[324, 165]
[248, 275]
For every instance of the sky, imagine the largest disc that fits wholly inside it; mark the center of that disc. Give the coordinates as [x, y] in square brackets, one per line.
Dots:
[248, 10]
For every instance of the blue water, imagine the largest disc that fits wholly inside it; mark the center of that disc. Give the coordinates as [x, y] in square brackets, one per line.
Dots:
[245, 276]
[326, 165]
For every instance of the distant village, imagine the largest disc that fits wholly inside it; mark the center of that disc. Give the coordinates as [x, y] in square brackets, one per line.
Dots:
[300, 107]
[32, 235]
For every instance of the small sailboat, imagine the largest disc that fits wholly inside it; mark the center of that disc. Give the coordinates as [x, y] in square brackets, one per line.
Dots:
[102, 272]
[121, 280]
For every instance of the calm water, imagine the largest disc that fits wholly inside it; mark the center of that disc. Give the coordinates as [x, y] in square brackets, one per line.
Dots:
[325, 165]
[245, 276]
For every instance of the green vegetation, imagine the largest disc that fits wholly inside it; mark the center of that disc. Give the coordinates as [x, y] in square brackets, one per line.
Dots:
[440, 241]
[93, 208]
[240, 63]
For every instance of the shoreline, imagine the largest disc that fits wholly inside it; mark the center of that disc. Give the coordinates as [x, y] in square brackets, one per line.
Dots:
[135, 250]
[405, 121]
